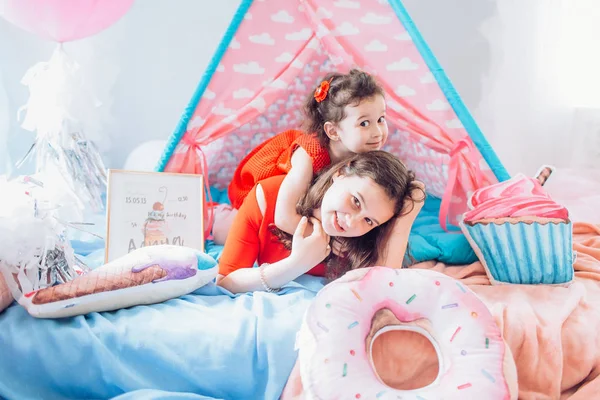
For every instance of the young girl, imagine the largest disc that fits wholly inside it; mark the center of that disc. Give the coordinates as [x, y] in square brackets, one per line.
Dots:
[345, 116]
[355, 199]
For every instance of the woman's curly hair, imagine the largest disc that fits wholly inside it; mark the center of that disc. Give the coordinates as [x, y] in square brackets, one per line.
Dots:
[387, 171]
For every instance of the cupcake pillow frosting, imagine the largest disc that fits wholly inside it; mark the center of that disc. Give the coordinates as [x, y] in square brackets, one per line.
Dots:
[520, 196]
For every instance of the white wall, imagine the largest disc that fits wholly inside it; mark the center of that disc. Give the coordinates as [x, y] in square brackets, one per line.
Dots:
[502, 55]
[152, 58]
[523, 68]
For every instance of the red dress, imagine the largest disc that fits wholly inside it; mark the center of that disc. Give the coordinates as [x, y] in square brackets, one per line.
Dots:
[274, 157]
[250, 239]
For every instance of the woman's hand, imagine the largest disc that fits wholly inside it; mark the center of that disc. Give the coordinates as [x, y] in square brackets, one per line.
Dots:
[310, 250]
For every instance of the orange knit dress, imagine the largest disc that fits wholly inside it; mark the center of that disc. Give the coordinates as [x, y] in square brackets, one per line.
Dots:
[250, 239]
[274, 157]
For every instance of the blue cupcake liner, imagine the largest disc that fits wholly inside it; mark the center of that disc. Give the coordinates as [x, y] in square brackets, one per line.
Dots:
[524, 252]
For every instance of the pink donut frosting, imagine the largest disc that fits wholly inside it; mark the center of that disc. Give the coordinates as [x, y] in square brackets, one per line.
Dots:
[520, 196]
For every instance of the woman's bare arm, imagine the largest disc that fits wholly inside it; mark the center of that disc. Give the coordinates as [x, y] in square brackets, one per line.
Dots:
[392, 255]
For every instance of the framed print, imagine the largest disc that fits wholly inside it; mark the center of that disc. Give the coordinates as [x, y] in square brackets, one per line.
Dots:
[151, 208]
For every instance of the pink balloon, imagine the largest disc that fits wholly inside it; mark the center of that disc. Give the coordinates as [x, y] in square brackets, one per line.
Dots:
[64, 20]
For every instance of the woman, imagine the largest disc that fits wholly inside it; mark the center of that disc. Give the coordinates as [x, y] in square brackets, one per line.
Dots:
[354, 198]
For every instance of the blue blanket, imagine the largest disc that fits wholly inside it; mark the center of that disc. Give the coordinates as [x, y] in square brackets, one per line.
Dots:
[206, 345]
[428, 241]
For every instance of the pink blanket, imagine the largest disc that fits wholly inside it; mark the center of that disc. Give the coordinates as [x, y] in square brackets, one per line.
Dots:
[552, 331]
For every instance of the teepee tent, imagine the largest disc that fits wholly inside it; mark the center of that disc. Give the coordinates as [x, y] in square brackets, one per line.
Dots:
[276, 51]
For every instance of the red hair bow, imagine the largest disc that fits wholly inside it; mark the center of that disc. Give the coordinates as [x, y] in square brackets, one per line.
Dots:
[322, 90]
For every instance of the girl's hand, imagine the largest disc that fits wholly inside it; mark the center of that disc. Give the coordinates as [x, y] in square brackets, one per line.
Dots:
[310, 250]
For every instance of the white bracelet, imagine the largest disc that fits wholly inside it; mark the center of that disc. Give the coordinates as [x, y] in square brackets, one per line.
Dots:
[261, 271]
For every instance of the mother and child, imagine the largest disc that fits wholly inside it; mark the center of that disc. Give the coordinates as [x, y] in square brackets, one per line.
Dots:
[321, 201]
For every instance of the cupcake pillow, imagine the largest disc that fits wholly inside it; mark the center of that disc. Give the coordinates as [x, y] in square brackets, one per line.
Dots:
[520, 234]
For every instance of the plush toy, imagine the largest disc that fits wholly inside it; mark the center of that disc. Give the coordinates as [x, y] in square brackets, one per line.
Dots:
[145, 276]
[42, 273]
[519, 233]
[401, 333]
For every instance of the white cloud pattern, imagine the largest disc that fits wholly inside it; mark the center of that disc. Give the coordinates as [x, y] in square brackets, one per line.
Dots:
[251, 68]
[438, 105]
[323, 13]
[376, 45]
[405, 91]
[346, 29]
[403, 36]
[284, 58]
[259, 103]
[347, 4]
[196, 123]
[278, 84]
[454, 124]
[282, 17]
[243, 93]
[208, 94]
[427, 78]
[301, 35]
[405, 64]
[263, 38]
[220, 110]
[376, 19]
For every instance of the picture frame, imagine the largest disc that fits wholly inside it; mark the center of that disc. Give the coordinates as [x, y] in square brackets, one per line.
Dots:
[151, 208]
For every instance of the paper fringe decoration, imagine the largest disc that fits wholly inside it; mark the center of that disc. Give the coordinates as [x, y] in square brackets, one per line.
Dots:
[35, 252]
[60, 108]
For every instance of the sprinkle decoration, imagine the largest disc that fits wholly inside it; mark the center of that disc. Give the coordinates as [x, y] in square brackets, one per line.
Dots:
[320, 325]
[411, 299]
[465, 386]
[352, 352]
[328, 305]
[352, 325]
[378, 395]
[391, 284]
[462, 289]
[474, 314]
[356, 295]
[455, 333]
[437, 283]
[488, 375]
[453, 305]
[487, 343]
[357, 395]
[345, 370]
[464, 352]
[28, 179]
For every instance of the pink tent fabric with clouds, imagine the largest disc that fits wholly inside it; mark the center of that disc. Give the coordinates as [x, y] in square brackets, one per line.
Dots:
[274, 54]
